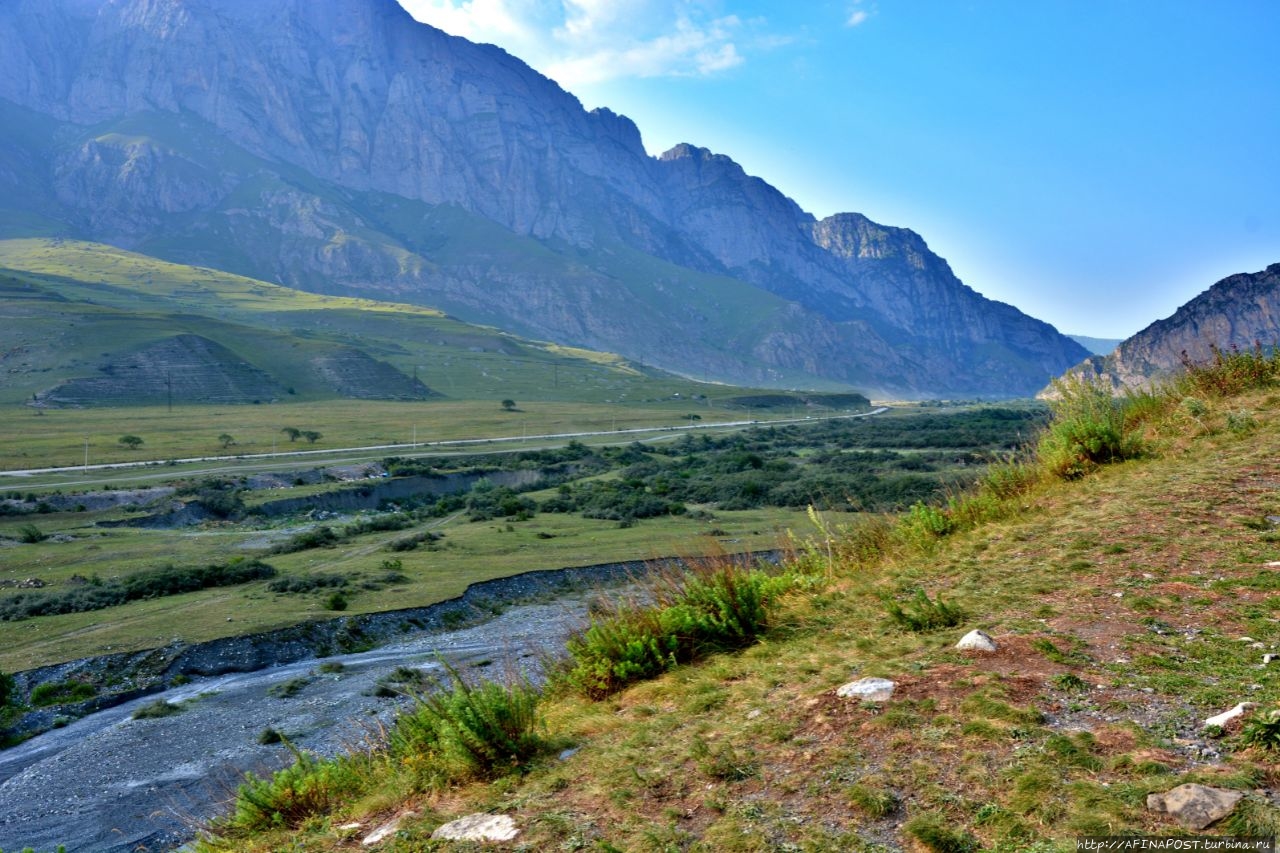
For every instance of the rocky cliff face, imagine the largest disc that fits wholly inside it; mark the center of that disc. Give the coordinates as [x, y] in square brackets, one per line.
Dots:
[1241, 311]
[344, 147]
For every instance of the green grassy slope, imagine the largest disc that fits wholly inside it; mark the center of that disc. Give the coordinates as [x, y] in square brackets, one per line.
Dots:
[1128, 605]
[73, 306]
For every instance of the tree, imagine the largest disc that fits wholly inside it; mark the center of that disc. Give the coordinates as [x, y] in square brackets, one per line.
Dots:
[6, 689]
[226, 440]
[310, 435]
[132, 442]
[293, 432]
[509, 405]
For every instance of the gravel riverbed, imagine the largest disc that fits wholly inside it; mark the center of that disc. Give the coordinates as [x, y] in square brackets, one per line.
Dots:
[109, 783]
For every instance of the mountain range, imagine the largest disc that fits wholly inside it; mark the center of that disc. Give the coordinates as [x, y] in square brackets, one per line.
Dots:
[343, 148]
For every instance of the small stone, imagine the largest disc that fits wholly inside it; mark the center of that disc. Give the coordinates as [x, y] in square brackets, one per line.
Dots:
[1257, 645]
[478, 827]
[1195, 806]
[754, 713]
[867, 690]
[566, 754]
[977, 641]
[1268, 658]
[387, 830]
[1246, 640]
[1225, 717]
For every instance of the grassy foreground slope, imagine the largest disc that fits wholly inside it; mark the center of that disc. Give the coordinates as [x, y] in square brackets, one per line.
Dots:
[1130, 601]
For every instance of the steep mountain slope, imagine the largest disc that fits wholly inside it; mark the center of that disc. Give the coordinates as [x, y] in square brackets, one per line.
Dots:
[343, 147]
[1241, 311]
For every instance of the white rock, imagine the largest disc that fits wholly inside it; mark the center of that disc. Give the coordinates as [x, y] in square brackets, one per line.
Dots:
[478, 827]
[385, 831]
[1266, 659]
[977, 641]
[867, 690]
[1225, 717]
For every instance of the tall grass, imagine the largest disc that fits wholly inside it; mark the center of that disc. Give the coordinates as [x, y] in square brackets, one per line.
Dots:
[1088, 429]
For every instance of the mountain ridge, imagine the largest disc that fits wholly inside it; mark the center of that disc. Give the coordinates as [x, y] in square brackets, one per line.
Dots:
[279, 141]
[1241, 311]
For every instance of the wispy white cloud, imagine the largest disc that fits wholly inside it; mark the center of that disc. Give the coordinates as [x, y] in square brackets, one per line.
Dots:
[860, 12]
[593, 41]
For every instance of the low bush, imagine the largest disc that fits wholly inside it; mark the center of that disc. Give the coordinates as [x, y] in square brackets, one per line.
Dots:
[1088, 429]
[149, 583]
[157, 709]
[462, 730]
[61, 692]
[284, 800]
[29, 534]
[716, 606]
[1263, 731]
[307, 583]
[923, 614]
[322, 536]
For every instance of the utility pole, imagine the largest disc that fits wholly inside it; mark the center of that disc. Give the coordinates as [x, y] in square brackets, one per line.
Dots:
[168, 381]
[86, 453]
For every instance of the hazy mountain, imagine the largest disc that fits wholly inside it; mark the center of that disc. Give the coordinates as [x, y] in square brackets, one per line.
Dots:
[342, 147]
[1097, 346]
[1240, 311]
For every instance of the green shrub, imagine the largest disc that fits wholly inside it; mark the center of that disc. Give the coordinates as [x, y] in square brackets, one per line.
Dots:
[924, 614]
[61, 692]
[288, 689]
[467, 731]
[149, 583]
[307, 583]
[336, 601]
[1088, 429]
[29, 534]
[1262, 730]
[717, 606]
[322, 536]
[157, 709]
[310, 786]
[6, 689]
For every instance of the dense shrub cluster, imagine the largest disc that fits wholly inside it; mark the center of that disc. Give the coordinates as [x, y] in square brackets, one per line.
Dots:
[150, 583]
[60, 692]
[307, 583]
[718, 606]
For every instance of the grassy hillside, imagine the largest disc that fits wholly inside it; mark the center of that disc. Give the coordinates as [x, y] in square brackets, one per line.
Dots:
[1127, 572]
[75, 308]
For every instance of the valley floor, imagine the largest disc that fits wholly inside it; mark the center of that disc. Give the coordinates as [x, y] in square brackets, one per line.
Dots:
[1128, 607]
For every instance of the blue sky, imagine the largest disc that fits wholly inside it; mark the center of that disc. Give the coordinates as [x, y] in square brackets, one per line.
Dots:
[1096, 164]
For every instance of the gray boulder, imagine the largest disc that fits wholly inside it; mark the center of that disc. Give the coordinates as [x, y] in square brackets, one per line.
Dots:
[1195, 806]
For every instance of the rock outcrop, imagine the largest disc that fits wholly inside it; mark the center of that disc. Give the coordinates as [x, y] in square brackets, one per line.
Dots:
[344, 147]
[1241, 311]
